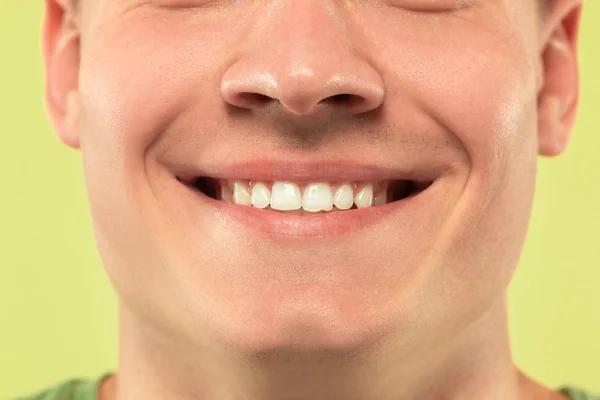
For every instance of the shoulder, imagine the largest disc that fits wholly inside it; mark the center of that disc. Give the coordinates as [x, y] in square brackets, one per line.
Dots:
[72, 389]
[577, 393]
[61, 391]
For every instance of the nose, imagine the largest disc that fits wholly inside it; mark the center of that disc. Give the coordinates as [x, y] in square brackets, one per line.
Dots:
[300, 59]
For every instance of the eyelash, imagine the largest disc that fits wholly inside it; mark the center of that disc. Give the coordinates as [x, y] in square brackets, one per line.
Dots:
[418, 6]
[433, 5]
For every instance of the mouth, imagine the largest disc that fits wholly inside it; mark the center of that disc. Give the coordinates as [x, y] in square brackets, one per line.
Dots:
[306, 198]
[297, 200]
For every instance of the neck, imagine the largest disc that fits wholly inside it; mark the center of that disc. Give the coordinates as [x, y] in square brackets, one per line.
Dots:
[472, 362]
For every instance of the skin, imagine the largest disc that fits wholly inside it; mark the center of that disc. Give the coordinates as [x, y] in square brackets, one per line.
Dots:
[413, 309]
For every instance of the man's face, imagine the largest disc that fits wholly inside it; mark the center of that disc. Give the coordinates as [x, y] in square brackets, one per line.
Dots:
[166, 89]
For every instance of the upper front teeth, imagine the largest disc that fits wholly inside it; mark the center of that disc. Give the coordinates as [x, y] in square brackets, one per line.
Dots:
[286, 196]
[317, 197]
[314, 197]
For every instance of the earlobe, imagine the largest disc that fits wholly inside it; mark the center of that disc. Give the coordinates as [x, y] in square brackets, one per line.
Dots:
[554, 135]
[61, 60]
[559, 93]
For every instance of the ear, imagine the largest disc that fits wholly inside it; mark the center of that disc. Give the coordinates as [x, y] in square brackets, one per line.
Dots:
[559, 93]
[60, 43]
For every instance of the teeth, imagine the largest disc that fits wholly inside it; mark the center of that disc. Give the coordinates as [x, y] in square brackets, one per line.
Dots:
[261, 197]
[309, 198]
[317, 197]
[343, 198]
[226, 194]
[364, 198]
[380, 199]
[286, 196]
[241, 193]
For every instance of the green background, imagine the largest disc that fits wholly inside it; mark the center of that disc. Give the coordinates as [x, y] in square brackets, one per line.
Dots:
[58, 311]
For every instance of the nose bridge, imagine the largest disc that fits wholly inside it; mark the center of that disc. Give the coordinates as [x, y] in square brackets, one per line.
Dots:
[308, 43]
[301, 53]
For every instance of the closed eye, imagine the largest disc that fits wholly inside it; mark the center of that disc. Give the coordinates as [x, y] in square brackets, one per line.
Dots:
[432, 5]
[183, 4]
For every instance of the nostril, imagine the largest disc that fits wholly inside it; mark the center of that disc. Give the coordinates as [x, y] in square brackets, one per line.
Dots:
[341, 98]
[249, 99]
[350, 101]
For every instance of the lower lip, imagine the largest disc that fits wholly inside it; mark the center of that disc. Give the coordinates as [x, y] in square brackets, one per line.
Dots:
[273, 224]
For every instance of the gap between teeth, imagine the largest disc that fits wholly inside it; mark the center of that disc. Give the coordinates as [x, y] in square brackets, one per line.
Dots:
[311, 197]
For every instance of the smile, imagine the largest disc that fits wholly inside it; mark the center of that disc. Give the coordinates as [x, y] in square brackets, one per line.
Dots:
[297, 198]
[300, 207]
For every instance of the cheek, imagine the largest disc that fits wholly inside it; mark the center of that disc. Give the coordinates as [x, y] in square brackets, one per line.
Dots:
[142, 70]
[477, 84]
[475, 79]
[137, 75]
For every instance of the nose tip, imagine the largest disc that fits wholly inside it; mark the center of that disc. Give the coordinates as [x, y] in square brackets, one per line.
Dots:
[304, 91]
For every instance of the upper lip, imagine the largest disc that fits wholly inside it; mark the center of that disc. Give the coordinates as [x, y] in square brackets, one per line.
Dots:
[307, 171]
